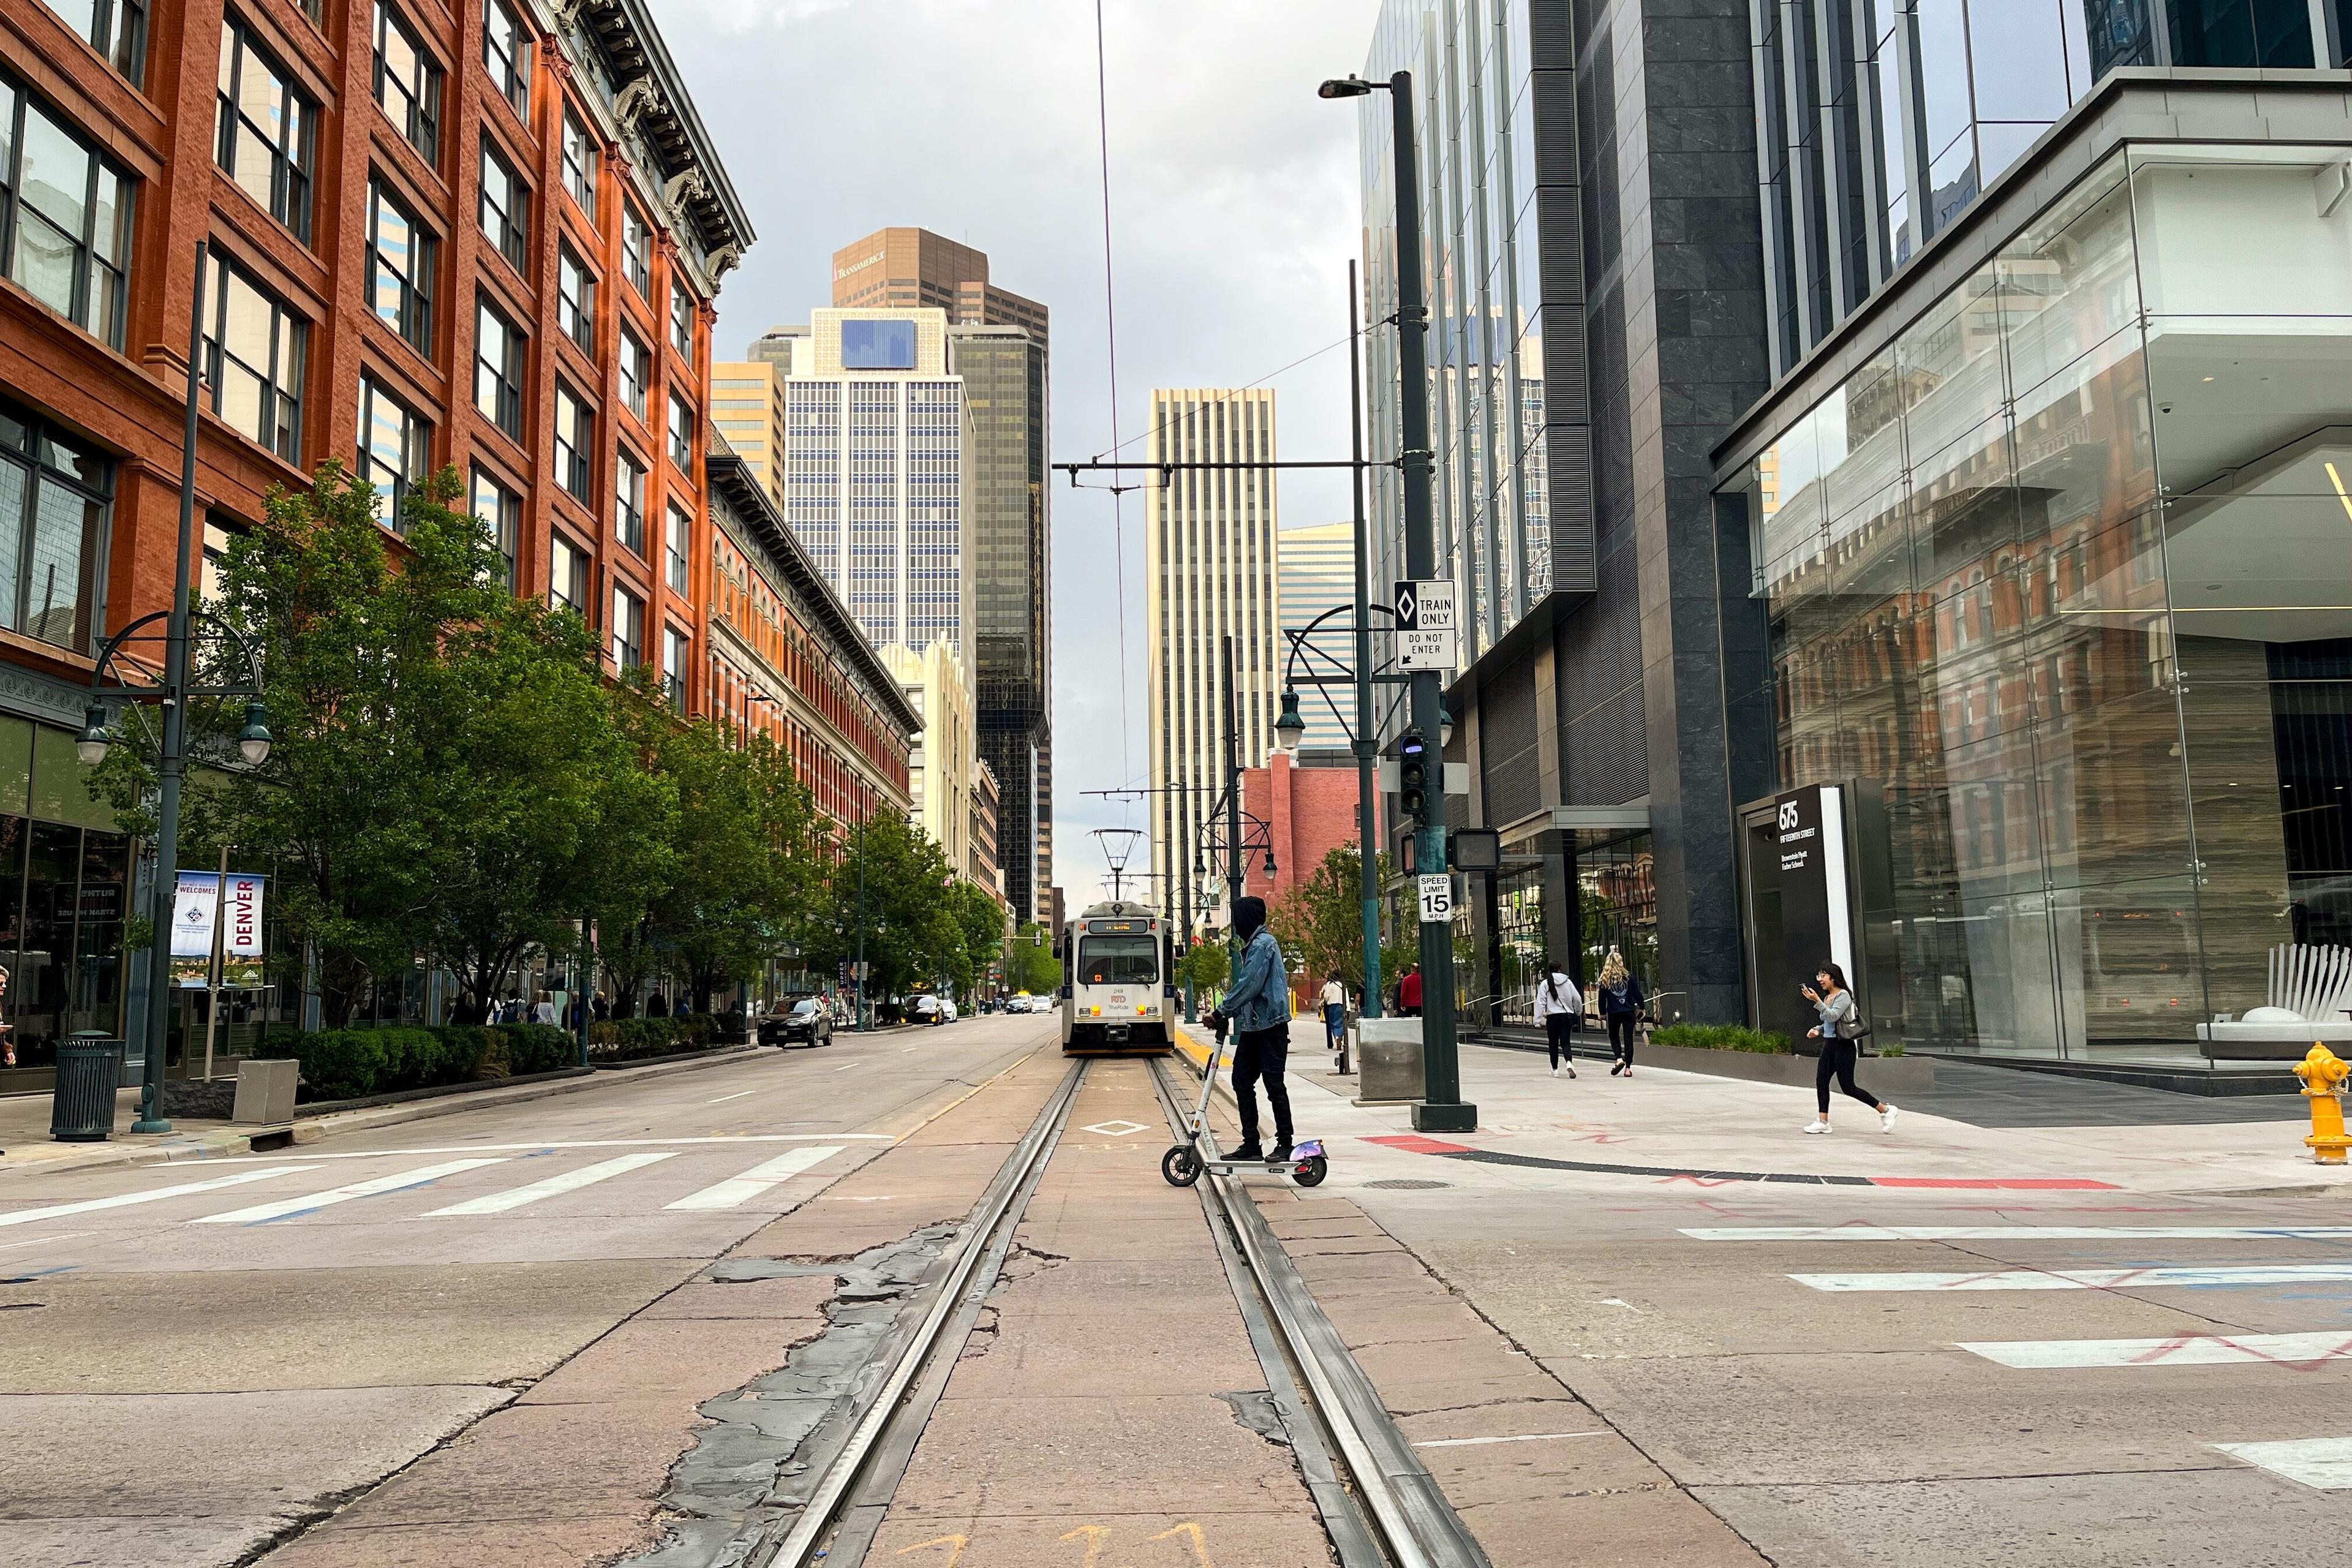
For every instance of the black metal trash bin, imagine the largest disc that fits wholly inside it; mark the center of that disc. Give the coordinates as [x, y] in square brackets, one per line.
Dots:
[81, 1107]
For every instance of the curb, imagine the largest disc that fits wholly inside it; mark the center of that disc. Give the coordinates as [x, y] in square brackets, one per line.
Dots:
[213, 1145]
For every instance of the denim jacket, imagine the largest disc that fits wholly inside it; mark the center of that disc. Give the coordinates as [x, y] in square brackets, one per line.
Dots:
[1260, 999]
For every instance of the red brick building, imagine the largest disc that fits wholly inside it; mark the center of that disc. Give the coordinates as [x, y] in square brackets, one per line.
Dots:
[1309, 810]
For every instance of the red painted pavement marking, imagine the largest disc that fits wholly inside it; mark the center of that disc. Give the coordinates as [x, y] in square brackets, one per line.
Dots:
[1415, 1144]
[2008, 1183]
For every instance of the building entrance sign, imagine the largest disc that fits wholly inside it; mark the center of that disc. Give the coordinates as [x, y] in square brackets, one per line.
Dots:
[1816, 904]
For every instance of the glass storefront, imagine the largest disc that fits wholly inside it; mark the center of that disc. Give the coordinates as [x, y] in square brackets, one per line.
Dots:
[1617, 900]
[2059, 585]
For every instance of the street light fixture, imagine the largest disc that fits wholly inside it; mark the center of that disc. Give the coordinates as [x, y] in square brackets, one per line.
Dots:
[1290, 728]
[1347, 87]
[1444, 728]
[95, 740]
[253, 741]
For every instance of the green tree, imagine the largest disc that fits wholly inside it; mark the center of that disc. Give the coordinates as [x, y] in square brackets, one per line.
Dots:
[910, 935]
[1207, 967]
[980, 931]
[1029, 961]
[1321, 922]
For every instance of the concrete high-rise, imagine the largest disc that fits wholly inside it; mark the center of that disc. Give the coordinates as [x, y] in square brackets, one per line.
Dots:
[1317, 567]
[874, 472]
[913, 268]
[1210, 569]
[1004, 369]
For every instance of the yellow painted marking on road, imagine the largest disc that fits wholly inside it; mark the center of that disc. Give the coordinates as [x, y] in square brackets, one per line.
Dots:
[955, 1544]
[1095, 1535]
[1192, 1532]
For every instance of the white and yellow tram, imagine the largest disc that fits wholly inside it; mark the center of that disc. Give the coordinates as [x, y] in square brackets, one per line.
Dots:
[1119, 990]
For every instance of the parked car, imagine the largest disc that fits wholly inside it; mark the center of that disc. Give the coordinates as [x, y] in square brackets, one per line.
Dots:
[809, 1022]
[934, 1010]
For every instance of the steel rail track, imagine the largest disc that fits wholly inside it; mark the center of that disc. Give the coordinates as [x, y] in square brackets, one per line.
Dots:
[1400, 1498]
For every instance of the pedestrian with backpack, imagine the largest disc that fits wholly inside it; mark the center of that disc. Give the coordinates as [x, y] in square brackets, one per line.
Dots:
[1559, 1003]
[1622, 1001]
[1841, 1033]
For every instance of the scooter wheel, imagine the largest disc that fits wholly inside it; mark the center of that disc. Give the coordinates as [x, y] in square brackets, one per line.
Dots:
[1181, 1167]
[1312, 1173]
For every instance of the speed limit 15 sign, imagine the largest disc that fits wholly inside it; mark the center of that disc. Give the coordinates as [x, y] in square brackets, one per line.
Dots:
[1436, 899]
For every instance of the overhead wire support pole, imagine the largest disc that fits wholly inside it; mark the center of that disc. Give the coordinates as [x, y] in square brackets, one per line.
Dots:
[1367, 744]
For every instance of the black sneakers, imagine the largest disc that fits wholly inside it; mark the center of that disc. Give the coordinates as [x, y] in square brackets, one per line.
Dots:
[1247, 1152]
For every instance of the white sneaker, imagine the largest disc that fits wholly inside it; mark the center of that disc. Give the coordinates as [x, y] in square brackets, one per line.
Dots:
[1886, 1119]
[1555, 1072]
[1817, 1127]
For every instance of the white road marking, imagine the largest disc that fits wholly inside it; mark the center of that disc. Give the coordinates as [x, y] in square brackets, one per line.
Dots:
[741, 1189]
[343, 1194]
[48, 1240]
[2086, 1279]
[725, 1098]
[2300, 1351]
[1481, 1442]
[1121, 1129]
[846, 1066]
[153, 1194]
[583, 1143]
[570, 1180]
[2323, 1464]
[2025, 1233]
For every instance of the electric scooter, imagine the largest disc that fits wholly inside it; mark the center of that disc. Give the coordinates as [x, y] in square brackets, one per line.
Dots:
[1183, 1163]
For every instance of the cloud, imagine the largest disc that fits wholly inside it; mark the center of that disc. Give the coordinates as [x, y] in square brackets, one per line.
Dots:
[1234, 206]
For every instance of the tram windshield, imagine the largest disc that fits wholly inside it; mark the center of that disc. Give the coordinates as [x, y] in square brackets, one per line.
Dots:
[1118, 960]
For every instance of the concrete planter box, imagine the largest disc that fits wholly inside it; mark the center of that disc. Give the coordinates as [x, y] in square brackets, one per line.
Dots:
[1890, 1077]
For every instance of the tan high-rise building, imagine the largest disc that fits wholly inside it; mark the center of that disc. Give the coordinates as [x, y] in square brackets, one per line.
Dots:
[907, 267]
[1211, 568]
[747, 404]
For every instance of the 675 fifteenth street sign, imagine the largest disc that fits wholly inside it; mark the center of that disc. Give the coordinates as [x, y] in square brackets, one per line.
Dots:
[1428, 634]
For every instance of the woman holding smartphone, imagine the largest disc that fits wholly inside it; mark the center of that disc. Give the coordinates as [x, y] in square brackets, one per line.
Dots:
[1840, 1033]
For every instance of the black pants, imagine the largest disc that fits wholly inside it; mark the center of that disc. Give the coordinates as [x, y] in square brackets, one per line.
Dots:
[1621, 1036]
[1559, 1034]
[1260, 1054]
[1837, 1061]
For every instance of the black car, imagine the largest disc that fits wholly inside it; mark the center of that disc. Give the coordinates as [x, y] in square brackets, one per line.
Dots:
[808, 1023]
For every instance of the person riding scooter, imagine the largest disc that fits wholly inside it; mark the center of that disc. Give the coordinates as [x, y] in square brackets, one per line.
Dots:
[1258, 1006]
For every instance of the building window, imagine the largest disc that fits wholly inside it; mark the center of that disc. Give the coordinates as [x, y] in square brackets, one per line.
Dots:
[681, 433]
[567, 576]
[501, 510]
[628, 629]
[636, 372]
[253, 359]
[575, 300]
[506, 206]
[263, 131]
[637, 251]
[575, 437]
[67, 217]
[116, 29]
[629, 503]
[681, 539]
[400, 269]
[681, 321]
[497, 369]
[678, 650]
[505, 50]
[396, 449]
[54, 494]
[407, 83]
[578, 162]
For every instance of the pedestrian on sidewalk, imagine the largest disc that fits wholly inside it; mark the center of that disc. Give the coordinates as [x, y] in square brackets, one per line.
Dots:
[1840, 1032]
[1622, 1000]
[1258, 1006]
[1558, 1003]
[1409, 993]
[1334, 1011]
[543, 1010]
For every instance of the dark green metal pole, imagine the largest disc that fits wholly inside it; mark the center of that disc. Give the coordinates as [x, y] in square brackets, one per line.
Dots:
[1367, 742]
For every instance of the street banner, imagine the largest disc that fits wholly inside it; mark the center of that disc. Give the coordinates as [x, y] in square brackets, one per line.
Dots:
[195, 906]
[199, 904]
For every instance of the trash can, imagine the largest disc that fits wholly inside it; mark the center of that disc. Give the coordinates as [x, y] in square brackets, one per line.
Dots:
[81, 1106]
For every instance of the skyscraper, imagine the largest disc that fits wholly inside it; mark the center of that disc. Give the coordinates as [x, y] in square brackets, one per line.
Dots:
[1210, 572]
[1316, 573]
[874, 472]
[747, 403]
[913, 268]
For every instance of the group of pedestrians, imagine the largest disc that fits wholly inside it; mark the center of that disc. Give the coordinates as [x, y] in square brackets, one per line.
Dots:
[1559, 1008]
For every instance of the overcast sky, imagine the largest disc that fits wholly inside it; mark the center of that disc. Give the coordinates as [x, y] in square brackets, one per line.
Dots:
[1235, 211]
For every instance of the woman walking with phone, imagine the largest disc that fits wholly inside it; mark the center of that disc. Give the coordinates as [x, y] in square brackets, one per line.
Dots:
[1840, 1032]
[1558, 1003]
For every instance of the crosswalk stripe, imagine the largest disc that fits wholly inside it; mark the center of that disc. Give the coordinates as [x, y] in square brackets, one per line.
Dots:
[2323, 1464]
[569, 1181]
[309, 1201]
[741, 1189]
[2023, 1232]
[2086, 1278]
[2298, 1351]
[153, 1194]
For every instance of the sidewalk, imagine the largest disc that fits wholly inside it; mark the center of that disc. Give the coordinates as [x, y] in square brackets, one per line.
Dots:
[1536, 1133]
[25, 1144]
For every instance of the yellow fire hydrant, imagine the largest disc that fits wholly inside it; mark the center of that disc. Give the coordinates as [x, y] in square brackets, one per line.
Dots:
[2323, 1074]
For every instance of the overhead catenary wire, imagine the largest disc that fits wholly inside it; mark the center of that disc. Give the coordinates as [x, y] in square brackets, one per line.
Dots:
[1110, 342]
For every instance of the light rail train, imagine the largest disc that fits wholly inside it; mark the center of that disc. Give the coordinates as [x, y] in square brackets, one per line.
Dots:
[1118, 969]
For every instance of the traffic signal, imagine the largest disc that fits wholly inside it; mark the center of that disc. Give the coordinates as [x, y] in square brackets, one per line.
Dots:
[1412, 778]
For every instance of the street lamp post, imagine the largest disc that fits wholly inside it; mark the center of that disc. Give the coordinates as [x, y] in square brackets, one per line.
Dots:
[173, 695]
[863, 1012]
[1442, 1110]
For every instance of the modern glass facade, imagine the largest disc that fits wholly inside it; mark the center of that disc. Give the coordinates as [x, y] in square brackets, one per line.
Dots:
[2060, 592]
